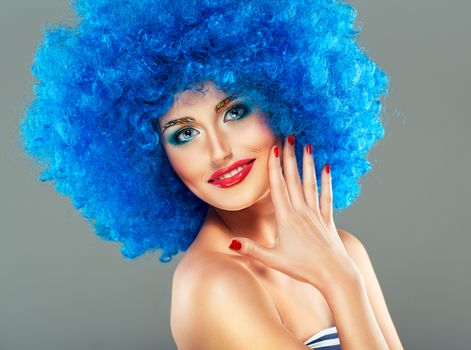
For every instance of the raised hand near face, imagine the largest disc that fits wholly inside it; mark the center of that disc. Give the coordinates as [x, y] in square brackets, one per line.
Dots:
[308, 247]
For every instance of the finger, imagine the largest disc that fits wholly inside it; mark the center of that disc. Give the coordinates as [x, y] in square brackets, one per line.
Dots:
[278, 190]
[309, 180]
[291, 175]
[326, 194]
[247, 247]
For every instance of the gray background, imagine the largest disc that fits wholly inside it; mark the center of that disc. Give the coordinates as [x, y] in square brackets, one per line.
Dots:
[63, 288]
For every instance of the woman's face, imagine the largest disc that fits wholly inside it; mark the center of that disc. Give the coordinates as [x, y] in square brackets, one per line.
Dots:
[207, 139]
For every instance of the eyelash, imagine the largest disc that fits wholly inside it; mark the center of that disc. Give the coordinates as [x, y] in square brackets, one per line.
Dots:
[237, 106]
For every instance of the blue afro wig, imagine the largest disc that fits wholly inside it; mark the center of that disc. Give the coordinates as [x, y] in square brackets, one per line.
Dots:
[103, 83]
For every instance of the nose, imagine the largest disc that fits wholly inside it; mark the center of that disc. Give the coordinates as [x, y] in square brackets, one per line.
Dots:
[219, 147]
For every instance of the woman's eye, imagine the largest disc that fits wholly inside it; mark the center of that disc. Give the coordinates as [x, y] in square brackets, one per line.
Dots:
[185, 132]
[237, 112]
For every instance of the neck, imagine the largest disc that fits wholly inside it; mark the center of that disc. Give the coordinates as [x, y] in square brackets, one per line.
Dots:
[256, 222]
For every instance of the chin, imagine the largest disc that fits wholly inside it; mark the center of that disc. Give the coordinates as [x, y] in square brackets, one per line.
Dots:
[252, 189]
[238, 200]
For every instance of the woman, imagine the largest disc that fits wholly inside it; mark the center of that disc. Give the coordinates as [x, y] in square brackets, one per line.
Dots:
[143, 106]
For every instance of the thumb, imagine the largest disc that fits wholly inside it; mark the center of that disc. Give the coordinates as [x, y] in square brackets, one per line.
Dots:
[247, 247]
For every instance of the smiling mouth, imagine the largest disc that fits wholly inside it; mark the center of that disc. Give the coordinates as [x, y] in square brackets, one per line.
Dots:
[232, 172]
[233, 177]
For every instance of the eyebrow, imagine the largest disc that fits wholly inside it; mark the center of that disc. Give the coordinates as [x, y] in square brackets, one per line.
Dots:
[189, 120]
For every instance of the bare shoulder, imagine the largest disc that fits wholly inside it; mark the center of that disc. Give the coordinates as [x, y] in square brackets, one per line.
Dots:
[218, 304]
[350, 241]
[357, 252]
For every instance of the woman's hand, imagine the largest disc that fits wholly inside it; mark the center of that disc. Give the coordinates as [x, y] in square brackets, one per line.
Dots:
[308, 247]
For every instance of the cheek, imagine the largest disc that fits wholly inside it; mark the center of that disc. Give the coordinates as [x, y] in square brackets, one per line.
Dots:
[187, 171]
[256, 134]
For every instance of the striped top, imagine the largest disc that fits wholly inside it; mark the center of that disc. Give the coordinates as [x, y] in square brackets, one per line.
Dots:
[326, 339]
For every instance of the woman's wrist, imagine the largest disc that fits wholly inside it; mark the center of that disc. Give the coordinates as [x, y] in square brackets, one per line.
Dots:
[343, 278]
[345, 293]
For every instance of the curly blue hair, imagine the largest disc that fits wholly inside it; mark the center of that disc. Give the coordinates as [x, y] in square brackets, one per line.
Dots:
[104, 82]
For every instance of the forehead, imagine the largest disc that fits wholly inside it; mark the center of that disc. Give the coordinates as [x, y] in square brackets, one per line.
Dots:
[189, 99]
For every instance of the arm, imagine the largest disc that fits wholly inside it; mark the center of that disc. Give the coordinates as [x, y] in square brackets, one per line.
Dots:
[356, 323]
[359, 255]
[222, 306]
[357, 303]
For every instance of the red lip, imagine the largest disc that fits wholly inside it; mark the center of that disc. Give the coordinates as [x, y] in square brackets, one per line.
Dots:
[222, 171]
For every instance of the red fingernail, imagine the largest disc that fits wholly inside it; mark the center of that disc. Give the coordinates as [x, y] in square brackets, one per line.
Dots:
[309, 148]
[276, 151]
[291, 139]
[235, 245]
[327, 168]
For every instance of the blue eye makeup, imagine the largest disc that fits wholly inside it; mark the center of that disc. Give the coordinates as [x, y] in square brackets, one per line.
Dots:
[233, 114]
[241, 109]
